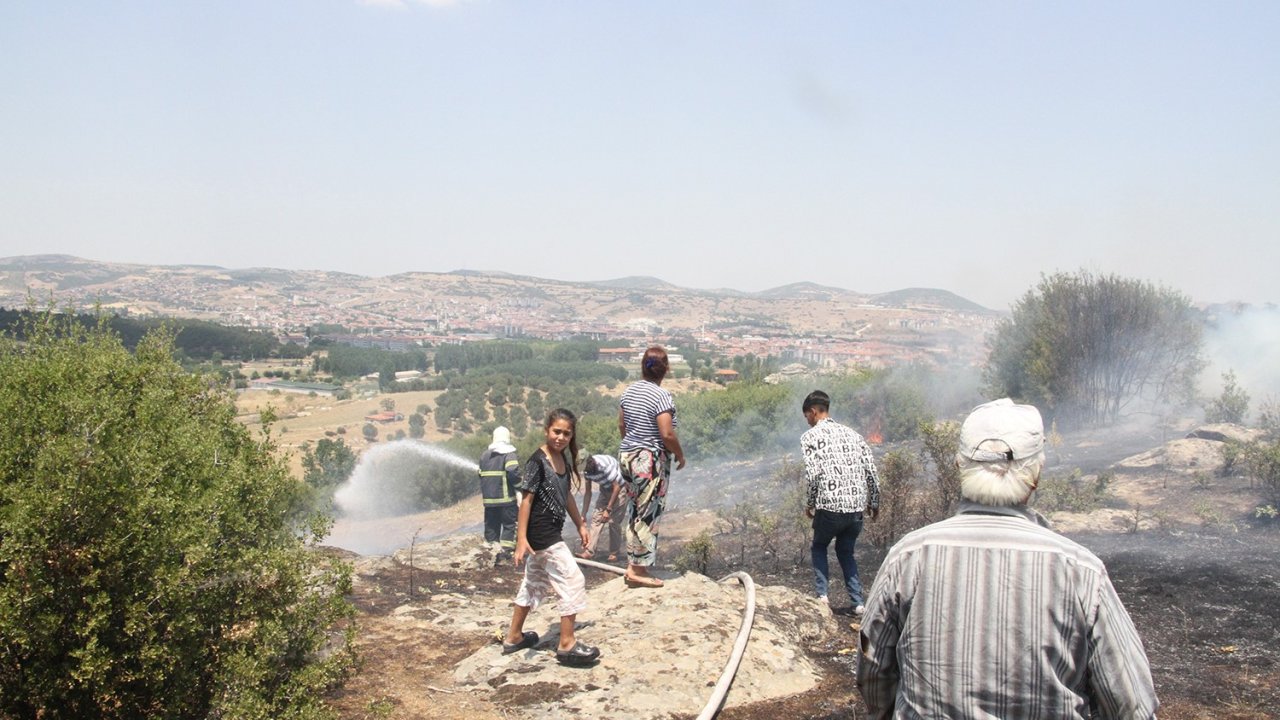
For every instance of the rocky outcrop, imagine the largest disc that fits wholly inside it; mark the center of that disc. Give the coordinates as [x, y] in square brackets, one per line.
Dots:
[1222, 432]
[662, 650]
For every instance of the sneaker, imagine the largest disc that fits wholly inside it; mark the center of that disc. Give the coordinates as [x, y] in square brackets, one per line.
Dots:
[822, 598]
[859, 610]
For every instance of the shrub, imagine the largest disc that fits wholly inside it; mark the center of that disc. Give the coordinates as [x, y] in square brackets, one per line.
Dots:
[1233, 452]
[1269, 418]
[941, 441]
[147, 563]
[1262, 463]
[696, 554]
[899, 471]
[1072, 493]
[1229, 407]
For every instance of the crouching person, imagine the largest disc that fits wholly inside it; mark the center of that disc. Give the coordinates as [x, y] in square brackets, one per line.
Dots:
[549, 565]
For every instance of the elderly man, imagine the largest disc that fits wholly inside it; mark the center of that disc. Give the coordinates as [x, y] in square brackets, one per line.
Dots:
[989, 614]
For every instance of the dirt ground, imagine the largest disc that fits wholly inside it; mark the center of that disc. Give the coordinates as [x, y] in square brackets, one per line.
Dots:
[1207, 607]
[1203, 589]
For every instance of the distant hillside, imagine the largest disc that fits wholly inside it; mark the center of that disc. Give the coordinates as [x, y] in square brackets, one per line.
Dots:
[636, 282]
[927, 297]
[804, 291]
[494, 301]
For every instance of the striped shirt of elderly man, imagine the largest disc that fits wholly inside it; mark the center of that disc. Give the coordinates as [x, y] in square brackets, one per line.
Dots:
[990, 614]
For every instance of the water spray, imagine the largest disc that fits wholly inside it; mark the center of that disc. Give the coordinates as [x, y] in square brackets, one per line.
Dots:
[379, 506]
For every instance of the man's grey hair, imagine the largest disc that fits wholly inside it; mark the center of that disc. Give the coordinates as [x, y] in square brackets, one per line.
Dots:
[999, 482]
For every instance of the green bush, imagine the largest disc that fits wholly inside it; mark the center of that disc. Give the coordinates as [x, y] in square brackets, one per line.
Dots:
[696, 554]
[1072, 493]
[148, 567]
[899, 474]
[1231, 406]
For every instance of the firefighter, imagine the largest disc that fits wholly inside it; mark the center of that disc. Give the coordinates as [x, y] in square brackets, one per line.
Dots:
[499, 475]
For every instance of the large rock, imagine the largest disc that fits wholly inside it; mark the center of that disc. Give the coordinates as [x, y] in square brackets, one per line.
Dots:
[662, 651]
[1222, 432]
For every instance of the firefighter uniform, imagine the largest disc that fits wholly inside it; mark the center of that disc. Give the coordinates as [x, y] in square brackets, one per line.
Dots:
[499, 475]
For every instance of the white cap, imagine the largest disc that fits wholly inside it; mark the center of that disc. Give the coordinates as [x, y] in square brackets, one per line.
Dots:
[1001, 431]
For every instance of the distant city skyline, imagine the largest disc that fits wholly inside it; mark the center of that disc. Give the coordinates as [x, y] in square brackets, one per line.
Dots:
[968, 147]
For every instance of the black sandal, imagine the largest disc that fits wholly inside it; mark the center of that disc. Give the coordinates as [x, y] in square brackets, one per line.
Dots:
[528, 640]
[580, 655]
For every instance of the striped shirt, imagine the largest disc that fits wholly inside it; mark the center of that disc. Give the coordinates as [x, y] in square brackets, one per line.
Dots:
[641, 404]
[839, 469]
[607, 472]
[989, 614]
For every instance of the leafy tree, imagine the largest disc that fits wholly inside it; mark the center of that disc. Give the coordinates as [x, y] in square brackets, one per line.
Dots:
[1231, 406]
[498, 395]
[417, 426]
[370, 432]
[345, 361]
[535, 405]
[579, 350]
[1083, 348]
[292, 351]
[326, 467]
[148, 567]
[518, 421]
[482, 354]
[598, 434]
[754, 369]
[476, 406]
[743, 419]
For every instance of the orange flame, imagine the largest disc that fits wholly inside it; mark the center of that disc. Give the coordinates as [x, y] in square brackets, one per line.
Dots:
[874, 436]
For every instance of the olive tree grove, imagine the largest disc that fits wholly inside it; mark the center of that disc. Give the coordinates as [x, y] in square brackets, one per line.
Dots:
[1088, 348]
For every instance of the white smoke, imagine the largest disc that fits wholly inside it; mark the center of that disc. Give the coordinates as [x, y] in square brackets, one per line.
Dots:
[1245, 340]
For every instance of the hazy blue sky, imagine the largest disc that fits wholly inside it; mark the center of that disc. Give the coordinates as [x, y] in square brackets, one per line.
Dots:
[969, 146]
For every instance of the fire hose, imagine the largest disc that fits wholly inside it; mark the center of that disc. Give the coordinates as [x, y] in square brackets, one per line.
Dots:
[739, 645]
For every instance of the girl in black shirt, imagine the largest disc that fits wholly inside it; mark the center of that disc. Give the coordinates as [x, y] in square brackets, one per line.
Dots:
[549, 565]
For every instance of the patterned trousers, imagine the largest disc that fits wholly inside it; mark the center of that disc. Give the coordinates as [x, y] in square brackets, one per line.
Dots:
[646, 474]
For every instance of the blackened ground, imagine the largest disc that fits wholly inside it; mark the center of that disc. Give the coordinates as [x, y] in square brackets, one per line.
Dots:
[1207, 608]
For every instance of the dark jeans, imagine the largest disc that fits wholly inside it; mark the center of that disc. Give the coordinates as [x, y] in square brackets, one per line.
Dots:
[844, 528]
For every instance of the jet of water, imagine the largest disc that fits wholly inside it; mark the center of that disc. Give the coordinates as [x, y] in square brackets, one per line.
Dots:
[380, 486]
[380, 506]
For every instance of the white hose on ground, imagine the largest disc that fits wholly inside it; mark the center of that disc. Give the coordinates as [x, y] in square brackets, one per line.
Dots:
[739, 646]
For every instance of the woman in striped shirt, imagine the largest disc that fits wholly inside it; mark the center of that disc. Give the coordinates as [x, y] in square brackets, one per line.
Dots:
[647, 423]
